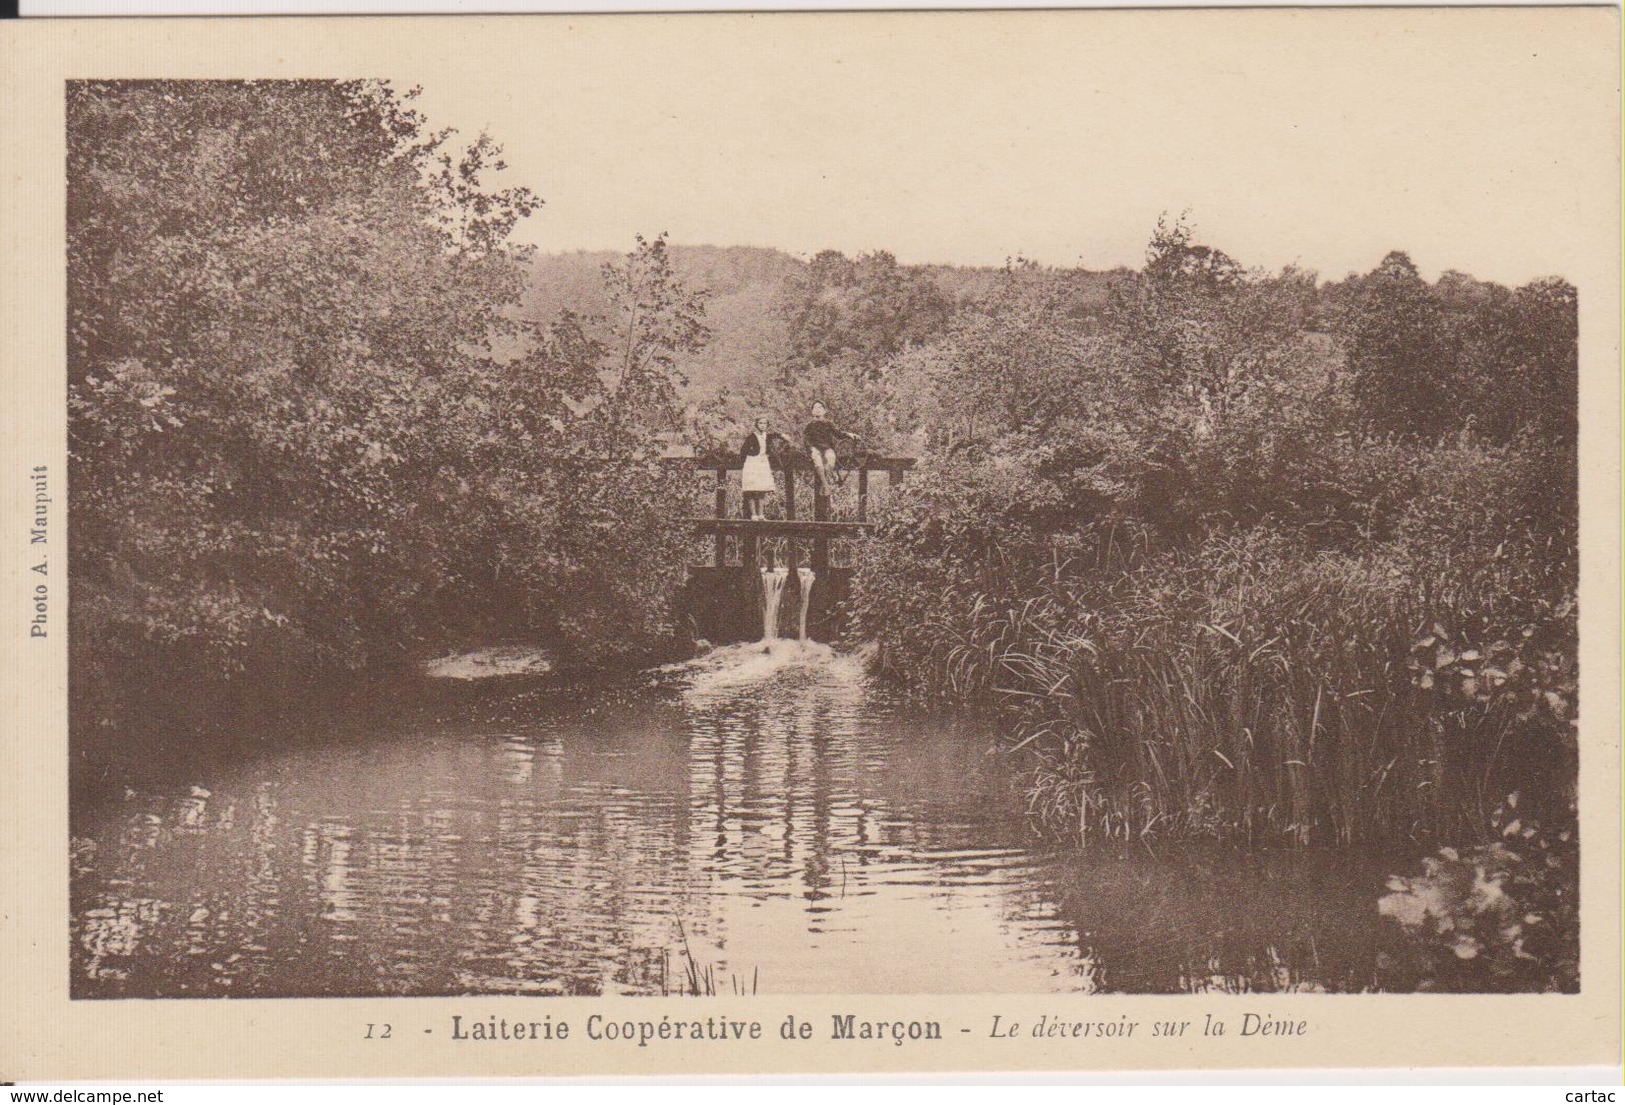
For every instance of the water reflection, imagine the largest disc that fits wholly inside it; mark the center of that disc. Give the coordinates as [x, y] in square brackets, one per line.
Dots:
[772, 820]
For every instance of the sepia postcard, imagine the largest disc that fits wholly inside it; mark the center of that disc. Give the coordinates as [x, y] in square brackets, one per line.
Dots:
[810, 543]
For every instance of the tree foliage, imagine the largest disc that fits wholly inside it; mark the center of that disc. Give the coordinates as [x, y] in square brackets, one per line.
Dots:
[293, 449]
[1197, 540]
[859, 311]
[1427, 360]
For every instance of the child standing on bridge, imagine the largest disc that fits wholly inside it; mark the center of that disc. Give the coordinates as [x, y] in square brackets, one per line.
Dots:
[756, 468]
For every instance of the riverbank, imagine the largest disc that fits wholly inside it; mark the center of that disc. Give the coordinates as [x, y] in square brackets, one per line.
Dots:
[179, 721]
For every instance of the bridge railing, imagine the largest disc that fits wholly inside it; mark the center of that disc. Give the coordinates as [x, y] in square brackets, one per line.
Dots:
[795, 468]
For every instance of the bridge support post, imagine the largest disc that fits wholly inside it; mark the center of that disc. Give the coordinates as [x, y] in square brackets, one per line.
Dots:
[721, 550]
[820, 545]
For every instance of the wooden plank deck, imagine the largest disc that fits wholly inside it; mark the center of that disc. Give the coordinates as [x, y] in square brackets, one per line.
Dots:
[779, 527]
[754, 537]
[796, 460]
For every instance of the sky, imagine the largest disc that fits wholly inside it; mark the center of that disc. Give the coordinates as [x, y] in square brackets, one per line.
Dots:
[1321, 139]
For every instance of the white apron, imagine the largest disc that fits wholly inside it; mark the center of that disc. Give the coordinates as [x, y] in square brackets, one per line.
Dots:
[757, 474]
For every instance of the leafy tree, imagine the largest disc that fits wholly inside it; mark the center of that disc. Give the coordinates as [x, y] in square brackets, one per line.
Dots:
[861, 310]
[292, 447]
[1203, 330]
[1518, 357]
[1400, 358]
[653, 321]
[600, 547]
[1192, 398]
[1460, 354]
[1010, 363]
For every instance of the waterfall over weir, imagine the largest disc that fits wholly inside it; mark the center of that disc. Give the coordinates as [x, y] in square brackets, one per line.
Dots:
[773, 580]
[805, 577]
[772, 591]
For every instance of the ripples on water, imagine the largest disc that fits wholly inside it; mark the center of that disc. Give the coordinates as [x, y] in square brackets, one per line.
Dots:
[769, 814]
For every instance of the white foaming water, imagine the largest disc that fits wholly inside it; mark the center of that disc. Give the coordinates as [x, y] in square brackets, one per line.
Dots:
[805, 577]
[758, 665]
[483, 663]
[772, 591]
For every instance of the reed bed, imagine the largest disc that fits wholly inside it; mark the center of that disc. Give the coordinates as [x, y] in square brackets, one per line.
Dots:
[1255, 692]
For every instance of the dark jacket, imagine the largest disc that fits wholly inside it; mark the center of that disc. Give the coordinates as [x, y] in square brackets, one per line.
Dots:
[775, 443]
[823, 434]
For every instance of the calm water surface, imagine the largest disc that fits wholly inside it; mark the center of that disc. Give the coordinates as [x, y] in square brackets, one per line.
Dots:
[771, 819]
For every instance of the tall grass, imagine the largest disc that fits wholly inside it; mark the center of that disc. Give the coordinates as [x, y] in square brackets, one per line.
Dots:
[1252, 689]
[1272, 713]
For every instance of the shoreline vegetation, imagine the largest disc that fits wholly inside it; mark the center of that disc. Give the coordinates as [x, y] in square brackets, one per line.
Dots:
[1243, 557]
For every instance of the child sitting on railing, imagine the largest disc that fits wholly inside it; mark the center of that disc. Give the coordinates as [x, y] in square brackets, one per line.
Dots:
[820, 437]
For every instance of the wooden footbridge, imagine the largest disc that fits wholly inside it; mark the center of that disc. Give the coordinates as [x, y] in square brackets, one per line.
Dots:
[724, 591]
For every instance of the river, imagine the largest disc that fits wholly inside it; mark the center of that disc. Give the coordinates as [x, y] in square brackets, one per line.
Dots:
[759, 821]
